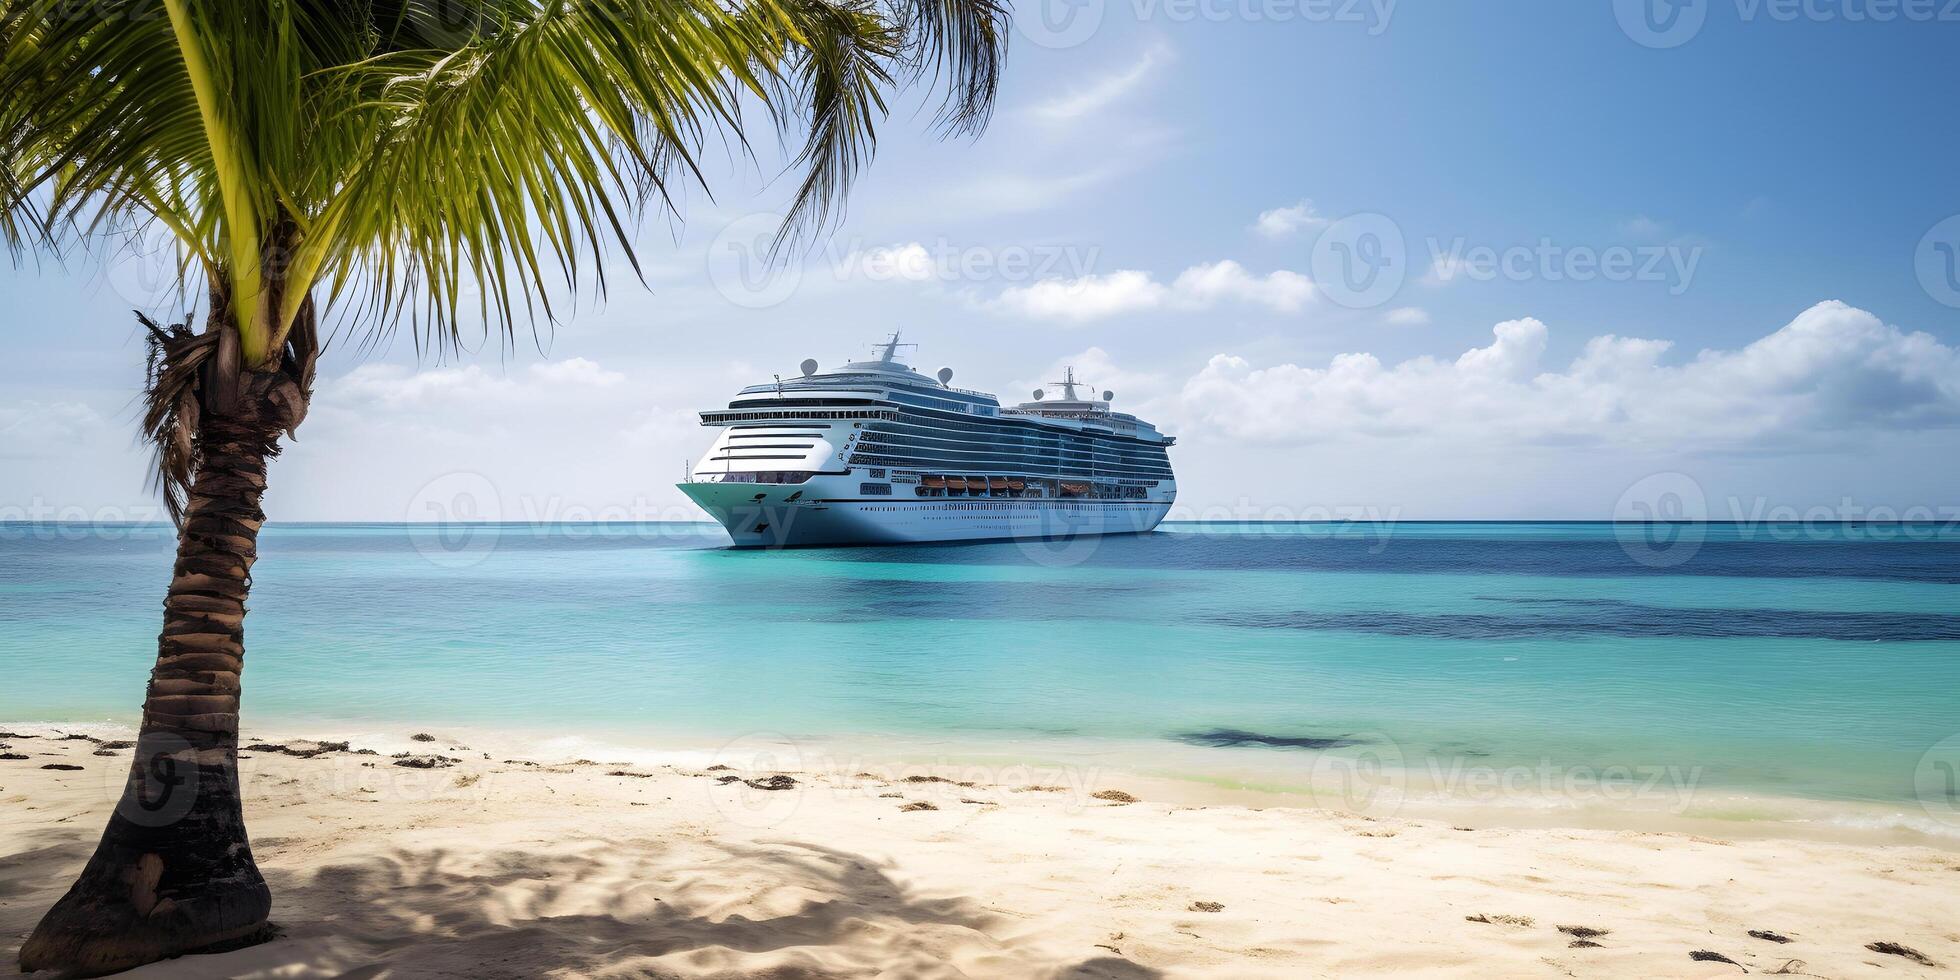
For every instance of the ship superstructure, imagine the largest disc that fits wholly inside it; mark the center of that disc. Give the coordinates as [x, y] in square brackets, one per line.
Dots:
[875, 452]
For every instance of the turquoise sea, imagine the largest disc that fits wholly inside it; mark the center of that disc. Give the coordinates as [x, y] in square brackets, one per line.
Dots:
[1812, 662]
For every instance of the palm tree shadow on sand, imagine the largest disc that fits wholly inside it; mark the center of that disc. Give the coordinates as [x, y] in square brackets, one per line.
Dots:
[594, 908]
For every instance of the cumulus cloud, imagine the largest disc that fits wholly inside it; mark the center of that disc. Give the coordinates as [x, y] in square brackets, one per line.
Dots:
[556, 440]
[1097, 371]
[1203, 286]
[1280, 223]
[36, 428]
[1406, 316]
[1102, 92]
[394, 386]
[905, 262]
[1832, 371]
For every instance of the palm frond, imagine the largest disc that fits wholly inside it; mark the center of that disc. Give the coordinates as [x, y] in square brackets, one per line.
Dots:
[172, 407]
[441, 162]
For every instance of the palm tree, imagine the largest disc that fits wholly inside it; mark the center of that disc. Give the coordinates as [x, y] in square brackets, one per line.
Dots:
[385, 160]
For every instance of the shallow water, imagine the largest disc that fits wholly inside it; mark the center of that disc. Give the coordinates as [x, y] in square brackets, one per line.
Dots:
[1819, 662]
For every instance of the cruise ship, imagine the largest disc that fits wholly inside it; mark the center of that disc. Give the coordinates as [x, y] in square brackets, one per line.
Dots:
[873, 452]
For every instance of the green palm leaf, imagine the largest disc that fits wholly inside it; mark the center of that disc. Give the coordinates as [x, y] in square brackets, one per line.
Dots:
[407, 155]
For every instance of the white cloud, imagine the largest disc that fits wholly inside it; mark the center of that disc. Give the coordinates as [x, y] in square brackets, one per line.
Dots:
[905, 262]
[1203, 286]
[36, 428]
[1832, 371]
[1104, 91]
[1406, 316]
[1097, 371]
[575, 371]
[556, 440]
[1283, 222]
[1090, 297]
[396, 387]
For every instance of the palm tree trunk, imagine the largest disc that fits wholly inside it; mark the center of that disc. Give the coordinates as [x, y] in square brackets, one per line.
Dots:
[174, 871]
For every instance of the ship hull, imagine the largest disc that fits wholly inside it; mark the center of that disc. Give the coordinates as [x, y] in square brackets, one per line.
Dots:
[762, 516]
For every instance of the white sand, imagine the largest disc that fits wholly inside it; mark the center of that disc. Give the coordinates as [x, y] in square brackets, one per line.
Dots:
[494, 869]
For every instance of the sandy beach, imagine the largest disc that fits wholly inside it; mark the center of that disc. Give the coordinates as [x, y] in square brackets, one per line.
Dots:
[450, 861]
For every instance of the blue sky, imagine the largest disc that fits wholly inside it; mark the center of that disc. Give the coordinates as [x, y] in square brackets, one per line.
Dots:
[1784, 156]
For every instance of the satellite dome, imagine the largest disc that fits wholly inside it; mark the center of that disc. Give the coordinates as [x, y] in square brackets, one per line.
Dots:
[1038, 393]
[1109, 396]
[945, 375]
[809, 366]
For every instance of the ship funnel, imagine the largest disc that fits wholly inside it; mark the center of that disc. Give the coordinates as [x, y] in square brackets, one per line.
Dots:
[809, 366]
[945, 375]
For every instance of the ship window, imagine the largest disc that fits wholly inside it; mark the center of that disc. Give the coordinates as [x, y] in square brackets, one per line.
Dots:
[875, 489]
[768, 476]
[877, 474]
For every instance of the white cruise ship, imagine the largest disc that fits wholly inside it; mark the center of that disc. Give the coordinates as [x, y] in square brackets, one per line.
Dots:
[874, 452]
